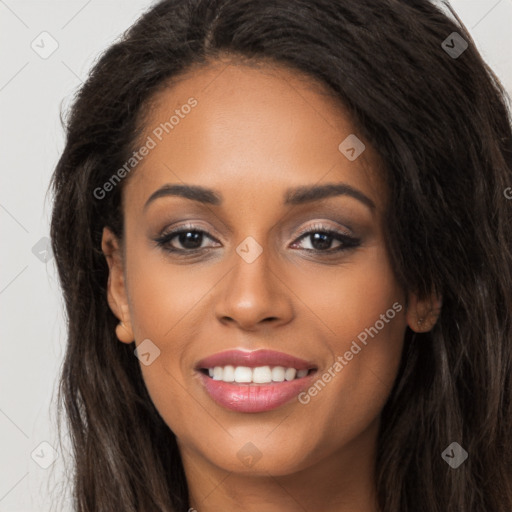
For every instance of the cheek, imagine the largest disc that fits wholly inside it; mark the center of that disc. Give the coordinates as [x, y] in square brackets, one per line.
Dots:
[362, 311]
[165, 303]
[346, 299]
[168, 305]
[164, 295]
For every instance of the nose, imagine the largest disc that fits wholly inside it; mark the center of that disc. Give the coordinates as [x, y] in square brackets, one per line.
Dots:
[253, 295]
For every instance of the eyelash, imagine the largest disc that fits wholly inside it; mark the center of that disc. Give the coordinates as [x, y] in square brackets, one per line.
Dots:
[347, 241]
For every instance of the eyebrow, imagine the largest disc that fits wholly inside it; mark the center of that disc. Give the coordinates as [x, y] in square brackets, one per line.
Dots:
[293, 196]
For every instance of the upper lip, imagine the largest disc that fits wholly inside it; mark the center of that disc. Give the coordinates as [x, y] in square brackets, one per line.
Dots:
[253, 359]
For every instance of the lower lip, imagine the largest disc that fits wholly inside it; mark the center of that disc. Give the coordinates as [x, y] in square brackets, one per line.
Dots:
[254, 397]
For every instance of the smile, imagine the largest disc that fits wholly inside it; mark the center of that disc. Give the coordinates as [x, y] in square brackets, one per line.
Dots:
[254, 381]
[258, 375]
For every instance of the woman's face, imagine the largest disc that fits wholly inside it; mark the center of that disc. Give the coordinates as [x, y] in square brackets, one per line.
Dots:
[247, 278]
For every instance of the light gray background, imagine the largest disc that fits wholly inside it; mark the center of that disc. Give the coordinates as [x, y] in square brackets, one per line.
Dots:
[32, 330]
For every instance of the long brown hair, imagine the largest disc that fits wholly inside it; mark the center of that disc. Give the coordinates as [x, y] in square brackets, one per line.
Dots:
[441, 125]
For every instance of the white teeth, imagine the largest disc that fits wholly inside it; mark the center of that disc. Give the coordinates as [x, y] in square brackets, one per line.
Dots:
[243, 374]
[289, 374]
[262, 375]
[278, 373]
[229, 374]
[258, 375]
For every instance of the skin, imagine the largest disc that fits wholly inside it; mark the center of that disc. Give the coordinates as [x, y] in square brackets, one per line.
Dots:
[253, 134]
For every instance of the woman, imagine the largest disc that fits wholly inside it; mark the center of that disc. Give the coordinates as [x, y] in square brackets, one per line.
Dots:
[284, 243]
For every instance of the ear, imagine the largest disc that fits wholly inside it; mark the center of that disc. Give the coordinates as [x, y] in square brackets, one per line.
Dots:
[116, 290]
[422, 314]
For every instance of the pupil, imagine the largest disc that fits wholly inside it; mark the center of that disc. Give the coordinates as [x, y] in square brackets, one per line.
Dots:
[190, 239]
[321, 241]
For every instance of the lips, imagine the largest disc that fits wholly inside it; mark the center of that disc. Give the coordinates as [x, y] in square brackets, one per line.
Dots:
[291, 375]
[254, 359]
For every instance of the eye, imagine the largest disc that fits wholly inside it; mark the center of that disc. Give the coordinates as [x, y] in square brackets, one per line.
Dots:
[190, 238]
[321, 238]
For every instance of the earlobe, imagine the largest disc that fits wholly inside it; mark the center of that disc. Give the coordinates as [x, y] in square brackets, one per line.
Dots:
[116, 290]
[124, 330]
[423, 314]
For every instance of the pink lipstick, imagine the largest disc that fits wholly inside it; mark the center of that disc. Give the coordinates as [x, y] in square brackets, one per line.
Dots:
[254, 381]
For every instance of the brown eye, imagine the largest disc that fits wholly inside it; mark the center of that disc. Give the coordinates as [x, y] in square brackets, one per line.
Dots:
[321, 239]
[189, 239]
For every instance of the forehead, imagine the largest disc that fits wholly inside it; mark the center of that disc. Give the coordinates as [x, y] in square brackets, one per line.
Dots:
[248, 129]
